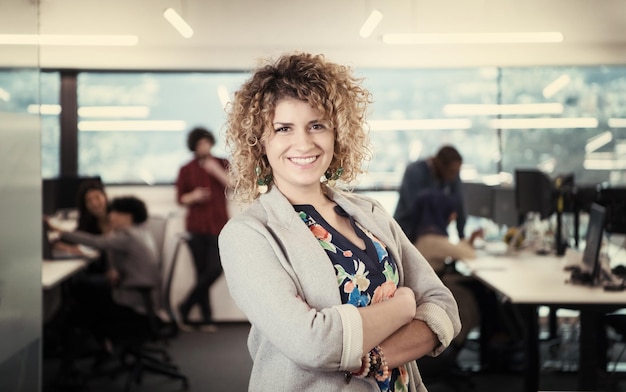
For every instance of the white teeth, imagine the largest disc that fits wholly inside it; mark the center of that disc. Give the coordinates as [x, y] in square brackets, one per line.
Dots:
[303, 161]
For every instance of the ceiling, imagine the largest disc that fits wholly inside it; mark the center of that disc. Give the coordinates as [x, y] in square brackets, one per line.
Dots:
[233, 34]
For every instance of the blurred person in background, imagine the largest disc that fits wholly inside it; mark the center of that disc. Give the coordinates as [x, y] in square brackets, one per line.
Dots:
[441, 171]
[201, 188]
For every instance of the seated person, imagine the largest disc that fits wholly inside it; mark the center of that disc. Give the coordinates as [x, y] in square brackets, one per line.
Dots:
[92, 218]
[131, 261]
[434, 210]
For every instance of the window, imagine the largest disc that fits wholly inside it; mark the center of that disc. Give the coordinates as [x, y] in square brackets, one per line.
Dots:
[133, 126]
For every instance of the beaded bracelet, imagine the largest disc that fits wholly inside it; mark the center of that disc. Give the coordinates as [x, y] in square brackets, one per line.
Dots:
[365, 367]
[381, 371]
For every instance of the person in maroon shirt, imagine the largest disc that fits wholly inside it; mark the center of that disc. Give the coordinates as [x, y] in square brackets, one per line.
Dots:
[200, 186]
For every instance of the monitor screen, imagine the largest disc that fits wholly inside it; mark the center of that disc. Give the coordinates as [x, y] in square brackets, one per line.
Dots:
[504, 210]
[595, 231]
[478, 199]
[614, 200]
[534, 192]
[62, 193]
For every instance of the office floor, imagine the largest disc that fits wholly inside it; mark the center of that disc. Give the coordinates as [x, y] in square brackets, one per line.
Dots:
[220, 362]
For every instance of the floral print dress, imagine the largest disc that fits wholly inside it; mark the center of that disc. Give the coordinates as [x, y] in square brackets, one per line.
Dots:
[364, 276]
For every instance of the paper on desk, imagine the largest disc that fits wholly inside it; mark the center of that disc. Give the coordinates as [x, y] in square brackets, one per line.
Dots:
[89, 252]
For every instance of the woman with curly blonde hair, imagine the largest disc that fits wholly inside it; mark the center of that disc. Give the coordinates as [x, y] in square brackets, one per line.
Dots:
[338, 298]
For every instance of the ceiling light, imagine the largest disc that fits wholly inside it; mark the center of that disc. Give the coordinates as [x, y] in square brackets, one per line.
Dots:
[147, 126]
[370, 23]
[494, 109]
[4, 95]
[598, 141]
[178, 22]
[421, 124]
[472, 38]
[68, 40]
[601, 161]
[114, 111]
[556, 86]
[617, 122]
[544, 123]
[45, 109]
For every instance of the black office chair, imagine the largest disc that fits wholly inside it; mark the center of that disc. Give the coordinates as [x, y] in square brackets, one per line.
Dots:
[617, 322]
[143, 346]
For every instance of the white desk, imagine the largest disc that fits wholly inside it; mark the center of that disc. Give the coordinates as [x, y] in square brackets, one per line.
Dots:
[530, 280]
[54, 272]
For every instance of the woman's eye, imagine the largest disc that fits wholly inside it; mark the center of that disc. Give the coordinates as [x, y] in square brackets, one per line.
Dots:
[318, 127]
[282, 129]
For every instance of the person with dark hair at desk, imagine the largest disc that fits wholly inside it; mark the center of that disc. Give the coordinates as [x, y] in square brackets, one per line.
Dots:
[478, 306]
[441, 171]
[93, 218]
[201, 188]
[132, 261]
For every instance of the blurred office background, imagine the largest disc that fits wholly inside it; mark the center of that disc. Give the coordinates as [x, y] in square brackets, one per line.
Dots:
[120, 109]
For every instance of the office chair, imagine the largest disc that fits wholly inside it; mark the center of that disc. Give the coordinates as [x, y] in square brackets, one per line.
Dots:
[143, 347]
[617, 321]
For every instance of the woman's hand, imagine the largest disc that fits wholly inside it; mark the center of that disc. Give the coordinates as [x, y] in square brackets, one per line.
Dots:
[407, 296]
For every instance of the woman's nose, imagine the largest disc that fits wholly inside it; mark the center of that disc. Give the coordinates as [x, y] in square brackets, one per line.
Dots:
[303, 139]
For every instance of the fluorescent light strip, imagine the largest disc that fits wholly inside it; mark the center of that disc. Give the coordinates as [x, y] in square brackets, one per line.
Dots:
[4, 95]
[543, 123]
[598, 141]
[421, 124]
[68, 40]
[178, 22]
[472, 38]
[600, 161]
[44, 110]
[555, 86]
[147, 126]
[493, 109]
[114, 111]
[617, 122]
[370, 23]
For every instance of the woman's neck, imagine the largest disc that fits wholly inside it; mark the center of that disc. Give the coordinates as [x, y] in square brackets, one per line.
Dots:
[315, 197]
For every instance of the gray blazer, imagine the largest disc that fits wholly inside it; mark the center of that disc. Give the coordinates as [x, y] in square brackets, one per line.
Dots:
[270, 259]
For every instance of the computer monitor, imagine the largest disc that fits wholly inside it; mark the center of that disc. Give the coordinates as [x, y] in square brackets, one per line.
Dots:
[595, 231]
[614, 200]
[534, 192]
[478, 199]
[504, 210]
[62, 193]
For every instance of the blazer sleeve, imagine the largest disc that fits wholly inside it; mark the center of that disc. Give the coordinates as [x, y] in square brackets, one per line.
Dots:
[265, 288]
[436, 305]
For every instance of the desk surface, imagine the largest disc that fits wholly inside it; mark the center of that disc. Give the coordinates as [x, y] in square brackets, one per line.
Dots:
[53, 272]
[534, 279]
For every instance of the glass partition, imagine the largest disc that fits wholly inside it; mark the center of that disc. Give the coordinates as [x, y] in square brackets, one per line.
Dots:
[20, 208]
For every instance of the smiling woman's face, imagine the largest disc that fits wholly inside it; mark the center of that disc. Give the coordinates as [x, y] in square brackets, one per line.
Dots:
[300, 147]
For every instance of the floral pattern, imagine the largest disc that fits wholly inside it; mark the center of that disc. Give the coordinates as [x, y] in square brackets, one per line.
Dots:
[364, 276]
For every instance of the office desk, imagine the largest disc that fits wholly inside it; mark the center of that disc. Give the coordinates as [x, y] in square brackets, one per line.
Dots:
[529, 281]
[54, 272]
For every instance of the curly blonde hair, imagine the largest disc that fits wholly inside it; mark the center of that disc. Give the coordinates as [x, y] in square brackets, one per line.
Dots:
[328, 87]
